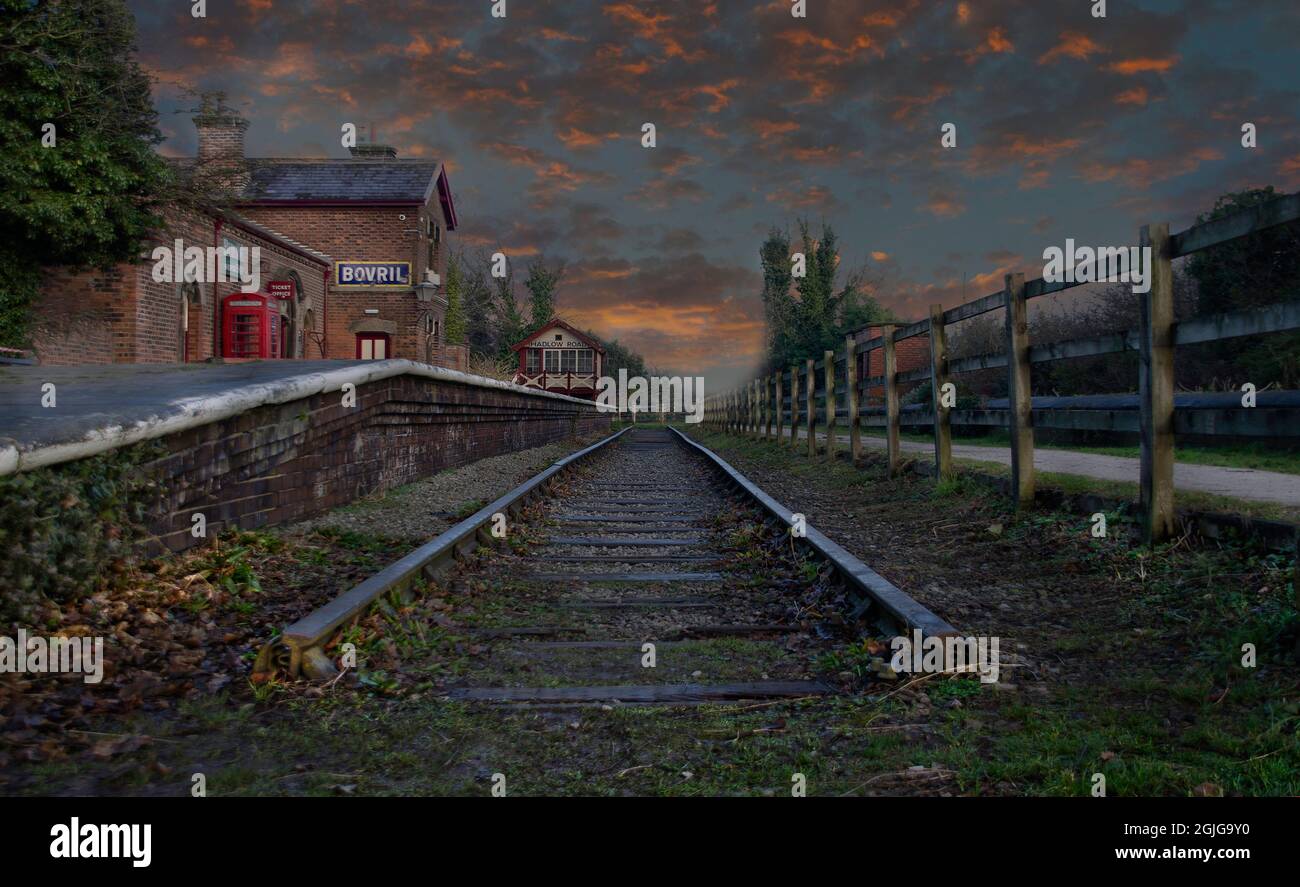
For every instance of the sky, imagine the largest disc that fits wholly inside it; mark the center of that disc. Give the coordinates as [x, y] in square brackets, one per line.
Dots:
[1067, 125]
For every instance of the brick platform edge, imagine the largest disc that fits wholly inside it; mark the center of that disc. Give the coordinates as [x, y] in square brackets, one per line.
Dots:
[245, 462]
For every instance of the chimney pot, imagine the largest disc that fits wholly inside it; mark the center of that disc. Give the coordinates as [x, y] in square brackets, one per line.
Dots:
[371, 151]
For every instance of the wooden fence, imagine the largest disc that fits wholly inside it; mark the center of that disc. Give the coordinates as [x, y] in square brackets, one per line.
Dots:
[766, 407]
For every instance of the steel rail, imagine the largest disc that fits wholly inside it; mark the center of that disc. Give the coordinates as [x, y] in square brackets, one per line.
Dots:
[892, 605]
[299, 649]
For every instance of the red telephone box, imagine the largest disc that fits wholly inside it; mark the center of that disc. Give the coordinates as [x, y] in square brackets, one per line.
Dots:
[251, 325]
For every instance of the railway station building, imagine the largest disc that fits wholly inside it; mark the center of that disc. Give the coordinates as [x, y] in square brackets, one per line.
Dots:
[353, 255]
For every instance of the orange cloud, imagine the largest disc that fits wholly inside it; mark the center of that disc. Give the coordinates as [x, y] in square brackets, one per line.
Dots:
[650, 27]
[577, 138]
[944, 206]
[1072, 45]
[552, 34]
[1142, 171]
[1135, 96]
[1140, 65]
[908, 104]
[768, 128]
[994, 42]
[418, 47]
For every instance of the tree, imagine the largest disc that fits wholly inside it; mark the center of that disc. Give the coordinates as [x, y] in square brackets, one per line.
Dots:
[619, 357]
[541, 283]
[456, 324]
[1250, 272]
[820, 318]
[817, 301]
[83, 193]
[778, 303]
[480, 314]
[510, 324]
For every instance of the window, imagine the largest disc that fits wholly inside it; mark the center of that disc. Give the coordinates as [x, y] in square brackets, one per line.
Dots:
[569, 361]
[584, 361]
[372, 346]
[552, 360]
[533, 361]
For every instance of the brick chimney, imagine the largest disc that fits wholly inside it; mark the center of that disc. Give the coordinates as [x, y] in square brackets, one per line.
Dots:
[221, 142]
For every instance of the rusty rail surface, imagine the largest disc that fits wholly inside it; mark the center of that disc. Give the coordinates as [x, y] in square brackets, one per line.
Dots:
[299, 649]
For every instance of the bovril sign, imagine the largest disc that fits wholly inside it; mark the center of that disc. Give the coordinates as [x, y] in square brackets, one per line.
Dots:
[372, 275]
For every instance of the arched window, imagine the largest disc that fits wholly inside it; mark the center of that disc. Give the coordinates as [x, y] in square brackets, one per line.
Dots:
[298, 296]
[309, 335]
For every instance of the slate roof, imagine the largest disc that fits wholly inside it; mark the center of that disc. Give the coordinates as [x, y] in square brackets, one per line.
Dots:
[346, 181]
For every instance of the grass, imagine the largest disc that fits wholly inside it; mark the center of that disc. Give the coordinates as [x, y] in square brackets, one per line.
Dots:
[1161, 701]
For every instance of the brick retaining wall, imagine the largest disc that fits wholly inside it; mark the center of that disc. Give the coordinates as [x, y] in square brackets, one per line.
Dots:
[284, 462]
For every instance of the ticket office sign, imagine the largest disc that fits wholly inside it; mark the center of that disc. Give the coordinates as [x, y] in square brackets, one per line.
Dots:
[372, 275]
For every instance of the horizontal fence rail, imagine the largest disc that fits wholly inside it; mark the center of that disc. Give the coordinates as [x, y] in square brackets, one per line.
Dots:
[833, 391]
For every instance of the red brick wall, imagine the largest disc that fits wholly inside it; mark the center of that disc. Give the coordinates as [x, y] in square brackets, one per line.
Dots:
[910, 354]
[122, 315]
[288, 461]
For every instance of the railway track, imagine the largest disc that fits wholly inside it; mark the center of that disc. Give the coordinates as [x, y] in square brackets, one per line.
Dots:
[636, 566]
[645, 571]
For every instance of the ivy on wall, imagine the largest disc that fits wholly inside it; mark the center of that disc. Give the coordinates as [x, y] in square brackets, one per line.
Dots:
[66, 530]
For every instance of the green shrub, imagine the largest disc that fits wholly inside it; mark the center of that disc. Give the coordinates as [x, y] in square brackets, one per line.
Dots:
[65, 528]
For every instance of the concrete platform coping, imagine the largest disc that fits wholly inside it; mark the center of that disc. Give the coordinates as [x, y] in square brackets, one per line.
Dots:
[101, 408]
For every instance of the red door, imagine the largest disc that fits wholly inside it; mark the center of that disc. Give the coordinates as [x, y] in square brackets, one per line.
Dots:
[372, 346]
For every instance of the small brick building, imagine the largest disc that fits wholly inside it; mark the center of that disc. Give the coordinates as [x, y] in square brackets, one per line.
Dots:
[910, 354]
[356, 247]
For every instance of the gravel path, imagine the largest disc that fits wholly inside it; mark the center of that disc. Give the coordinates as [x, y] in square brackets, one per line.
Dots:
[1239, 483]
[422, 510]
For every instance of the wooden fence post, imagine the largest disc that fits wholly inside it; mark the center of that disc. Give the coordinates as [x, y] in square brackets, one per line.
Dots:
[812, 407]
[892, 450]
[1021, 410]
[794, 406]
[767, 407]
[1156, 388]
[780, 411]
[828, 358]
[750, 409]
[938, 379]
[768, 389]
[851, 398]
